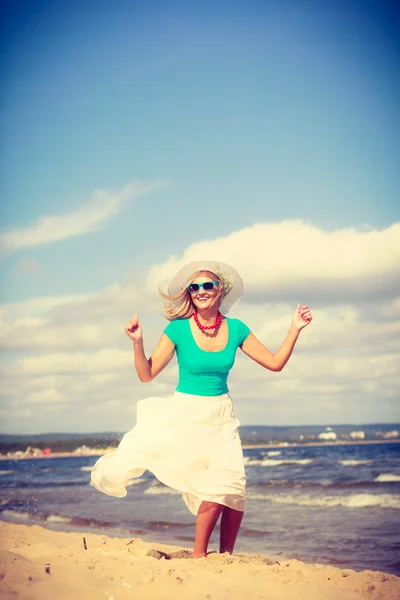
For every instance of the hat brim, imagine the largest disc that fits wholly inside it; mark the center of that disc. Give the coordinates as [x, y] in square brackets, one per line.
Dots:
[233, 283]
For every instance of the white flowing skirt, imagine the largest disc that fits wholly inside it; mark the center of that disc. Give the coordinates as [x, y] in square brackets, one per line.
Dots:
[190, 443]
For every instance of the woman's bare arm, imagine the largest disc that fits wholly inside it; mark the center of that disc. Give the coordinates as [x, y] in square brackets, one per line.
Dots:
[147, 369]
[260, 354]
[275, 362]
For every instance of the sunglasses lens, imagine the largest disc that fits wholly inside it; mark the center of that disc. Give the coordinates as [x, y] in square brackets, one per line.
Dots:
[193, 287]
[208, 285]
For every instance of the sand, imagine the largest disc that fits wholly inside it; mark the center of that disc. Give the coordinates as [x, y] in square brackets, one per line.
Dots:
[40, 564]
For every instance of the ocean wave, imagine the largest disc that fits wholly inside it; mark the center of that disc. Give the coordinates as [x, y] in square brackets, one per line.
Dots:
[136, 481]
[268, 462]
[87, 468]
[387, 477]
[354, 463]
[36, 484]
[16, 514]
[6, 472]
[272, 453]
[157, 489]
[351, 501]
[58, 519]
[319, 484]
[255, 533]
[155, 525]
[84, 522]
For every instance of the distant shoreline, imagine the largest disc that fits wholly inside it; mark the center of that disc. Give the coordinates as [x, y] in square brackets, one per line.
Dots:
[338, 443]
[244, 446]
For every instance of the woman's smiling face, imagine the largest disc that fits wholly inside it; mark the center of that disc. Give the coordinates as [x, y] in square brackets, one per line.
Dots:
[205, 299]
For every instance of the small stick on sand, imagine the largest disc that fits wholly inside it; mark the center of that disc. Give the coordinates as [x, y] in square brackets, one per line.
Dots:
[84, 543]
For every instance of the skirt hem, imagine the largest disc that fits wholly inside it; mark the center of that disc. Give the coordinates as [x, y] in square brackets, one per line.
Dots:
[190, 443]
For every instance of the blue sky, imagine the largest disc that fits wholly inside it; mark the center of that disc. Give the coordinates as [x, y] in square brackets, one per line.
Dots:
[234, 115]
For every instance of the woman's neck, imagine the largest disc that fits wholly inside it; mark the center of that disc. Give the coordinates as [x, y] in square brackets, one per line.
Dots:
[207, 315]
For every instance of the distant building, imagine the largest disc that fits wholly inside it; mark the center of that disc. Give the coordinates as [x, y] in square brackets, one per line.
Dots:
[31, 451]
[83, 450]
[391, 434]
[357, 435]
[328, 434]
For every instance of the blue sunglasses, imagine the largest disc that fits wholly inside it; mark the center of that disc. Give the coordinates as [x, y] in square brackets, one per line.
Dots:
[207, 286]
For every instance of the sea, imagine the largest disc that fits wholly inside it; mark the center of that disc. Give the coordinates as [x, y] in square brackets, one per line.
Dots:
[328, 504]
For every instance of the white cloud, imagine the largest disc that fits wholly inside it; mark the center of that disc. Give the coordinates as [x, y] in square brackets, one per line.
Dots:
[292, 258]
[74, 362]
[343, 369]
[88, 217]
[47, 396]
[69, 357]
[87, 321]
[358, 329]
[36, 307]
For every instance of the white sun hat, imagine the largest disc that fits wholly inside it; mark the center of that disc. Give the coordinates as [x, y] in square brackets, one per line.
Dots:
[232, 282]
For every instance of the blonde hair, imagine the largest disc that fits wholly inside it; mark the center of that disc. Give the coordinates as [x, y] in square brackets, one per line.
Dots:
[181, 305]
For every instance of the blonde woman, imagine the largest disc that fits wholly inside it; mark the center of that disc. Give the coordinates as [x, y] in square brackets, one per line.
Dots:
[190, 441]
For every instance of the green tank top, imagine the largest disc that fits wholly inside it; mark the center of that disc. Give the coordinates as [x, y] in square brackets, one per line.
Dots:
[202, 372]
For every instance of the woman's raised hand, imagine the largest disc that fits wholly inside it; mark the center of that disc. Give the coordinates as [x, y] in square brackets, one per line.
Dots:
[302, 317]
[133, 329]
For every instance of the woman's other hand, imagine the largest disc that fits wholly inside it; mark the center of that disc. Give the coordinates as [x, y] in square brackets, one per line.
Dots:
[133, 329]
[302, 317]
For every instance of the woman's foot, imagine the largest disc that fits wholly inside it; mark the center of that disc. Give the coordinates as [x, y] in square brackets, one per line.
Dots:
[199, 554]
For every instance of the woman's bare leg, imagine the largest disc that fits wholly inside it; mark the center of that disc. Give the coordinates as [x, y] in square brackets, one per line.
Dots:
[207, 518]
[229, 528]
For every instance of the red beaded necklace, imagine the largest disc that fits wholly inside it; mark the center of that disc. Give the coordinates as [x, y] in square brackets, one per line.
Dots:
[202, 327]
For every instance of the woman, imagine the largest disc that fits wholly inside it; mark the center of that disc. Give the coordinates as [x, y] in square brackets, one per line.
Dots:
[190, 441]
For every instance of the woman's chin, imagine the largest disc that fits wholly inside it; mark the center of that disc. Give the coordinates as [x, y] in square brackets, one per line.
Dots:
[203, 305]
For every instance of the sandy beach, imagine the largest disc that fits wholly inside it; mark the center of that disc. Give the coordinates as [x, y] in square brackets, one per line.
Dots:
[40, 564]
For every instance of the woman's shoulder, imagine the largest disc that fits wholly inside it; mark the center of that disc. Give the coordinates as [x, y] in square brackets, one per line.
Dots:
[235, 322]
[177, 323]
[175, 329]
[239, 329]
